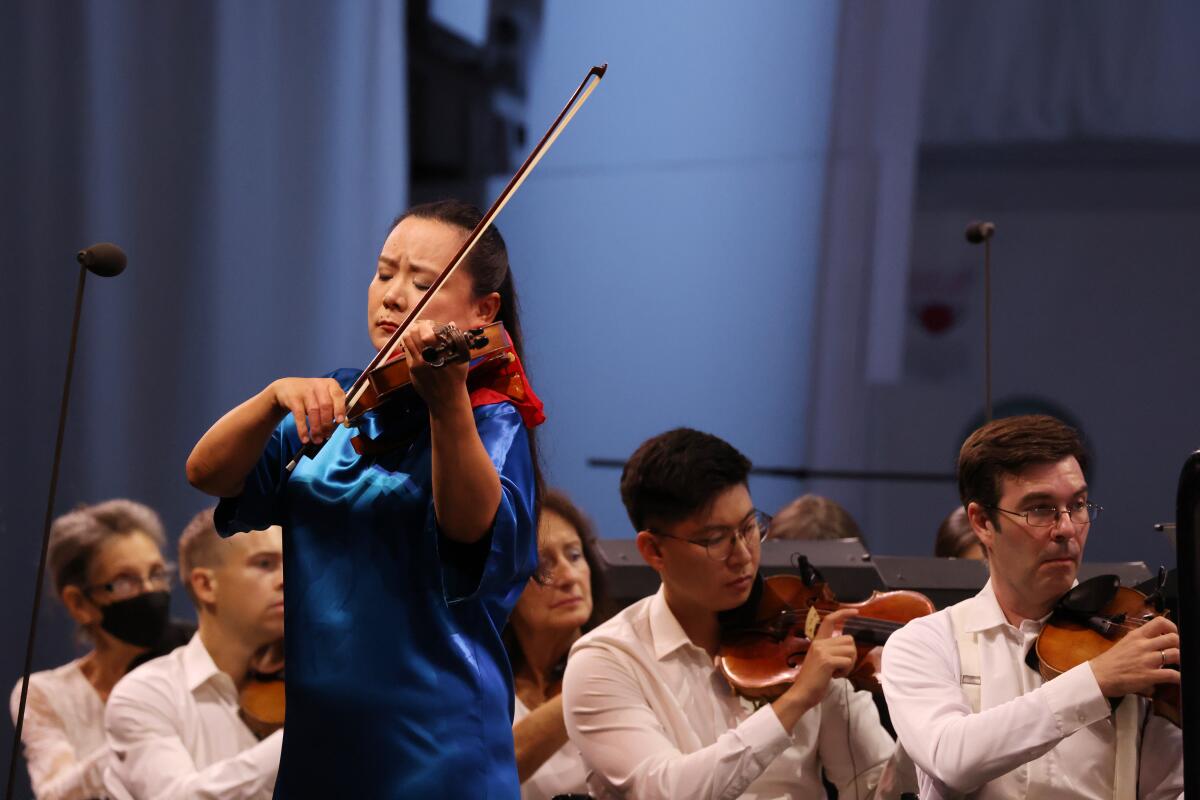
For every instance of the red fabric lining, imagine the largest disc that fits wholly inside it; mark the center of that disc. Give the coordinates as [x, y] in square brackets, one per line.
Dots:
[504, 380]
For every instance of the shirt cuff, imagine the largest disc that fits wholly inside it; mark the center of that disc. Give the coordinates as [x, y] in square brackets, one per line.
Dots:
[764, 734]
[1075, 699]
[266, 755]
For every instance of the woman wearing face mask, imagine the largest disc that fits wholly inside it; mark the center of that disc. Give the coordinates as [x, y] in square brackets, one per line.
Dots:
[554, 610]
[107, 565]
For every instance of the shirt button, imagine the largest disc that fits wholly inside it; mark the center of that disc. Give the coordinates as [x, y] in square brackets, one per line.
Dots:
[1081, 716]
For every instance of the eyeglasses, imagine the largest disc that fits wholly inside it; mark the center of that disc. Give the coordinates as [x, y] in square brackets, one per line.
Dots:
[720, 546]
[1080, 513]
[126, 585]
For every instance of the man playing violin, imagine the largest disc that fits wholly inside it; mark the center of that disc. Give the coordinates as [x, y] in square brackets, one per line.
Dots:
[174, 723]
[969, 707]
[650, 714]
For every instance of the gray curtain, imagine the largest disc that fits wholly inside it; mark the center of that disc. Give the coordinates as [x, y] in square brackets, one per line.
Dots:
[1028, 70]
[248, 156]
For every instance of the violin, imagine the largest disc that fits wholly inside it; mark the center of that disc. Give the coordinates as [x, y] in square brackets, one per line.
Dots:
[483, 347]
[261, 701]
[763, 643]
[1090, 619]
[365, 395]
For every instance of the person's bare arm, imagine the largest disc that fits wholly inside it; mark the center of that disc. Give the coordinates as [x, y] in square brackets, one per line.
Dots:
[225, 454]
[538, 736]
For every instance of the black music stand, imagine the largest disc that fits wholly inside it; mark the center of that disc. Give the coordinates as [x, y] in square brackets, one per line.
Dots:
[1187, 559]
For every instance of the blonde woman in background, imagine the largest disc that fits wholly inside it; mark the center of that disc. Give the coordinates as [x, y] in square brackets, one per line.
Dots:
[812, 516]
[553, 611]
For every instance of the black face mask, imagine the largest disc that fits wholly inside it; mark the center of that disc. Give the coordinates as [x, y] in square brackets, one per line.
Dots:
[140, 620]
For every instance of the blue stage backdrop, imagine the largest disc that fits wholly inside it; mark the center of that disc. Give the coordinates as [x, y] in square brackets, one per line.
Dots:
[667, 248]
[722, 239]
[248, 157]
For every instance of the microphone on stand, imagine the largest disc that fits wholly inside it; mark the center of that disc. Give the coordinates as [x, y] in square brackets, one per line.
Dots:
[105, 260]
[979, 231]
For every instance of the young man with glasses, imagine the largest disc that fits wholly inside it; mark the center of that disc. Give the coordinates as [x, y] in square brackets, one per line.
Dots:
[174, 724]
[650, 714]
[969, 707]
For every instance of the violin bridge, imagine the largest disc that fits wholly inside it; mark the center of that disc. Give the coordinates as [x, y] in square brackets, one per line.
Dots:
[812, 622]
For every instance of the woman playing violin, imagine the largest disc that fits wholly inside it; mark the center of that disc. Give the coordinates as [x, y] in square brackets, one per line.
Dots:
[403, 562]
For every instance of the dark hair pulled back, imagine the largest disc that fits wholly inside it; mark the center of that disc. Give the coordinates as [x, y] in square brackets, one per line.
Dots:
[490, 272]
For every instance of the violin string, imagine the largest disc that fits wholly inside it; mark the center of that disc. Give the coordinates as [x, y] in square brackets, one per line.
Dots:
[855, 624]
[860, 619]
[791, 617]
[1128, 625]
[880, 625]
[860, 623]
[1131, 625]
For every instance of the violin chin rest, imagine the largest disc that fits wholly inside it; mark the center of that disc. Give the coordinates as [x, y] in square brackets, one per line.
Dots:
[1090, 596]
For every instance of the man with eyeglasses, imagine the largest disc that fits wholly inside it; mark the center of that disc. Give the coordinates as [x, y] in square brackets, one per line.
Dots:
[652, 717]
[175, 724]
[965, 695]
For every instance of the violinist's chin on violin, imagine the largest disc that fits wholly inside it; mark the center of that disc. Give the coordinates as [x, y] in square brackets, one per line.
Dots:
[1037, 687]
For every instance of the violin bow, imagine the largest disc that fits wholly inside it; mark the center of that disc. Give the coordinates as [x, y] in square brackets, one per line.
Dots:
[576, 101]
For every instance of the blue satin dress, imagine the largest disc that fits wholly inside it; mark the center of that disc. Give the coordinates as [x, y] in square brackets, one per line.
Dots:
[398, 685]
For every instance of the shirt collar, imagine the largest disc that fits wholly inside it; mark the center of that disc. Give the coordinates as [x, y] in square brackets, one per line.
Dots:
[665, 630]
[198, 666]
[985, 612]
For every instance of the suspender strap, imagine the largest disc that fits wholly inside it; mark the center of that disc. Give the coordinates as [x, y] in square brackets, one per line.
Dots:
[1126, 768]
[1126, 771]
[968, 655]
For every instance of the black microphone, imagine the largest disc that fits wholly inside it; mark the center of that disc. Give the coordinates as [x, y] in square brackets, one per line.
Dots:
[104, 259]
[979, 231]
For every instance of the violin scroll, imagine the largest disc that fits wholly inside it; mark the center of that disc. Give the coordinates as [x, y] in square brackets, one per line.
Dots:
[454, 346]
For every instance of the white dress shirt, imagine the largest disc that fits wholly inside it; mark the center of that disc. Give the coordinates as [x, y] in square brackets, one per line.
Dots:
[654, 719]
[1031, 739]
[63, 734]
[561, 773]
[175, 733]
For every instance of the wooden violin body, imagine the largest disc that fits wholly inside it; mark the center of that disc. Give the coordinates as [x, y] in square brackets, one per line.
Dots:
[1076, 633]
[482, 346]
[762, 657]
[262, 703]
